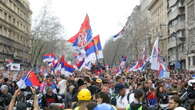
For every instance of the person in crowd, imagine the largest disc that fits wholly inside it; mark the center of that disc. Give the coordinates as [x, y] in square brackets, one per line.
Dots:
[123, 98]
[49, 97]
[21, 105]
[62, 85]
[84, 97]
[137, 104]
[104, 106]
[102, 97]
[174, 103]
[5, 96]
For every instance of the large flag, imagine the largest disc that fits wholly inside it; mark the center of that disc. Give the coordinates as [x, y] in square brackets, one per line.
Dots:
[49, 57]
[155, 57]
[29, 80]
[84, 35]
[66, 68]
[118, 35]
[137, 66]
[140, 64]
[94, 49]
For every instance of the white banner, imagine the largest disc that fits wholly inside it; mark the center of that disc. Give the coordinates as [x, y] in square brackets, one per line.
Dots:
[15, 67]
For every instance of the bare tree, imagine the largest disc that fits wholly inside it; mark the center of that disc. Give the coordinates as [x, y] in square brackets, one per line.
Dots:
[46, 33]
[133, 41]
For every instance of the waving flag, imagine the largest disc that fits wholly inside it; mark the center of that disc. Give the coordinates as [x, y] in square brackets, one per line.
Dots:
[49, 57]
[137, 66]
[163, 71]
[66, 68]
[84, 35]
[94, 47]
[141, 64]
[79, 58]
[29, 80]
[118, 35]
[154, 58]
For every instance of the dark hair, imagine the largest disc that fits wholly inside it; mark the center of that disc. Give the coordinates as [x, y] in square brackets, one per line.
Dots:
[87, 79]
[104, 96]
[118, 77]
[138, 94]
[176, 99]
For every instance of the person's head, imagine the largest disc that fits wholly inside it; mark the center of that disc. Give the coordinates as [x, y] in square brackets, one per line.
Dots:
[84, 95]
[118, 78]
[105, 89]
[139, 95]
[121, 89]
[49, 78]
[149, 83]
[102, 98]
[4, 89]
[174, 102]
[49, 91]
[61, 77]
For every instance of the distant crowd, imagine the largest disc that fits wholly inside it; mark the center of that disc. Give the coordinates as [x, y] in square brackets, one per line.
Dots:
[99, 90]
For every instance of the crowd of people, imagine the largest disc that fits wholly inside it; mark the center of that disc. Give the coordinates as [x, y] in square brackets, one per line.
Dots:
[102, 90]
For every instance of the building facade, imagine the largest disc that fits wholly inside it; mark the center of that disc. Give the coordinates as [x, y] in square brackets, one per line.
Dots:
[190, 34]
[176, 32]
[146, 16]
[15, 30]
[158, 12]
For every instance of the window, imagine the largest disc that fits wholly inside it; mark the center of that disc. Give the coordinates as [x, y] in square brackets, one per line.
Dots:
[14, 20]
[189, 61]
[5, 15]
[193, 60]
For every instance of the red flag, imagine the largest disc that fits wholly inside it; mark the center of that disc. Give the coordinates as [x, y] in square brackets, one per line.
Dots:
[84, 34]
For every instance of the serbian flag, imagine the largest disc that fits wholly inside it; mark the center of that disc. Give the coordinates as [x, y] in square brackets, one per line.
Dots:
[137, 66]
[94, 48]
[66, 68]
[49, 57]
[84, 35]
[29, 80]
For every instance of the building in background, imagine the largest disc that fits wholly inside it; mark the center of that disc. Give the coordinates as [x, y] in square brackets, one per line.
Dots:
[146, 16]
[15, 30]
[176, 31]
[158, 12]
[190, 34]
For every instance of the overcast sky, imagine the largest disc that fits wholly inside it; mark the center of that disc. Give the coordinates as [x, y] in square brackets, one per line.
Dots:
[107, 17]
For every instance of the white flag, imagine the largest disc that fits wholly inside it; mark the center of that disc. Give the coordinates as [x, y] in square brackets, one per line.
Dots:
[154, 58]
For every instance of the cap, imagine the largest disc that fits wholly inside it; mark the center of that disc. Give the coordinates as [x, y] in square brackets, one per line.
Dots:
[119, 86]
[98, 80]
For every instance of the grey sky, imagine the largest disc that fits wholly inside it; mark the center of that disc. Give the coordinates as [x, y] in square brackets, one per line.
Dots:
[107, 17]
